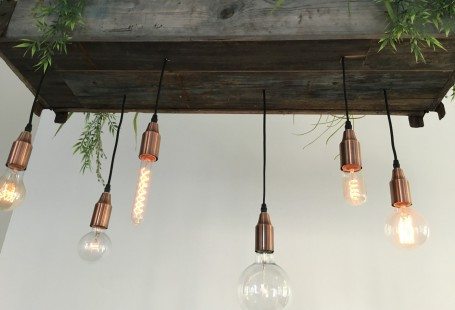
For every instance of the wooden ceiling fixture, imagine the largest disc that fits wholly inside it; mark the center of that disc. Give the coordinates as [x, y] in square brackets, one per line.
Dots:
[224, 52]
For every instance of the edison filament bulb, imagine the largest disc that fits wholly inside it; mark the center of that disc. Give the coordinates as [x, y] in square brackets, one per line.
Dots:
[354, 188]
[94, 245]
[264, 285]
[406, 228]
[142, 191]
[12, 189]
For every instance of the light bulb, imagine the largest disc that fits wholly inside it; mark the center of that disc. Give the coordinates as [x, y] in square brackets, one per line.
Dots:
[264, 285]
[142, 191]
[94, 245]
[406, 228]
[354, 188]
[12, 189]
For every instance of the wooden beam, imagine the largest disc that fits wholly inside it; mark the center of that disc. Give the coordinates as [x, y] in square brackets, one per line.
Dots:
[236, 20]
[416, 121]
[61, 117]
[6, 11]
[441, 110]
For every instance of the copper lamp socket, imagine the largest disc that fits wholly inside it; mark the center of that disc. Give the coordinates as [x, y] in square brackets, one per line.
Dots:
[265, 242]
[102, 212]
[20, 152]
[150, 144]
[400, 191]
[350, 157]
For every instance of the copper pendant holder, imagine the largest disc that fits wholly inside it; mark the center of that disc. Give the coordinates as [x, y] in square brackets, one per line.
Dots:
[350, 157]
[400, 191]
[20, 152]
[102, 212]
[265, 242]
[150, 144]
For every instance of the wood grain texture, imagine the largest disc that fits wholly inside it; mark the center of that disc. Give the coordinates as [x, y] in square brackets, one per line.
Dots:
[227, 77]
[196, 20]
[6, 11]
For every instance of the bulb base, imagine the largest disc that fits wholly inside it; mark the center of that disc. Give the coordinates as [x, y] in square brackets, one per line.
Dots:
[20, 152]
[102, 212]
[350, 156]
[400, 191]
[150, 144]
[265, 238]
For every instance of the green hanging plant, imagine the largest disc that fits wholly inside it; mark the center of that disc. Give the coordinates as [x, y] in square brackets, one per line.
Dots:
[90, 143]
[417, 21]
[56, 20]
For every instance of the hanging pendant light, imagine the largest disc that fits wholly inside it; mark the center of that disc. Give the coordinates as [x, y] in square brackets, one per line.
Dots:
[350, 159]
[264, 284]
[148, 155]
[12, 188]
[405, 227]
[97, 243]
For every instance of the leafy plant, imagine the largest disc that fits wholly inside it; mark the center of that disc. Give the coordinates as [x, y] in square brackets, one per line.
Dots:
[418, 21]
[55, 20]
[90, 143]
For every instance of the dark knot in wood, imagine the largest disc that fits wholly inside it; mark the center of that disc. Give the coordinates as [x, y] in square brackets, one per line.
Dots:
[228, 11]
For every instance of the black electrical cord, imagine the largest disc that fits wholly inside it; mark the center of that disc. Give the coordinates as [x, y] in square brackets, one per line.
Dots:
[264, 135]
[38, 90]
[396, 163]
[155, 115]
[107, 188]
[348, 124]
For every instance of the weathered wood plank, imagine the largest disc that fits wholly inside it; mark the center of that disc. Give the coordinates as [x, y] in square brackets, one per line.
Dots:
[6, 11]
[208, 110]
[416, 121]
[242, 56]
[195, 20]
[223, 77]
[239, 91]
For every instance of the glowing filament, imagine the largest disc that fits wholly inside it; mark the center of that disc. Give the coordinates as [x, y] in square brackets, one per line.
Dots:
[406, 230]
[8, 193]
[354, 190]
[140, 201]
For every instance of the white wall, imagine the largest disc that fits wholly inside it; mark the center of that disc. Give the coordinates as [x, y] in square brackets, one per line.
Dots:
[16, 101]
[198, 236]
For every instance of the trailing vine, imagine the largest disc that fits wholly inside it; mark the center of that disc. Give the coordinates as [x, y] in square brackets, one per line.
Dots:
[90, 143]
[55, 20]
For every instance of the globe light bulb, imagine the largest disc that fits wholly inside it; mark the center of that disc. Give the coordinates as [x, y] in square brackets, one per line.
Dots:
[406, 228]
[12, 189]
[142, 191]
[94, 245]
[354, 188]
[264, 285]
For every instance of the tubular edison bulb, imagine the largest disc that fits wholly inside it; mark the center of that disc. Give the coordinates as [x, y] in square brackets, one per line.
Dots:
[406, 228]
[12, 189]
[264, 285]
[94, 245]
[354, 188]
[142, 191]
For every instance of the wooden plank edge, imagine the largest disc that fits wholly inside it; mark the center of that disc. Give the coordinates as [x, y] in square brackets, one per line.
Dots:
[248, 111]
[6, 12]
[441, 95]
[41, 101]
